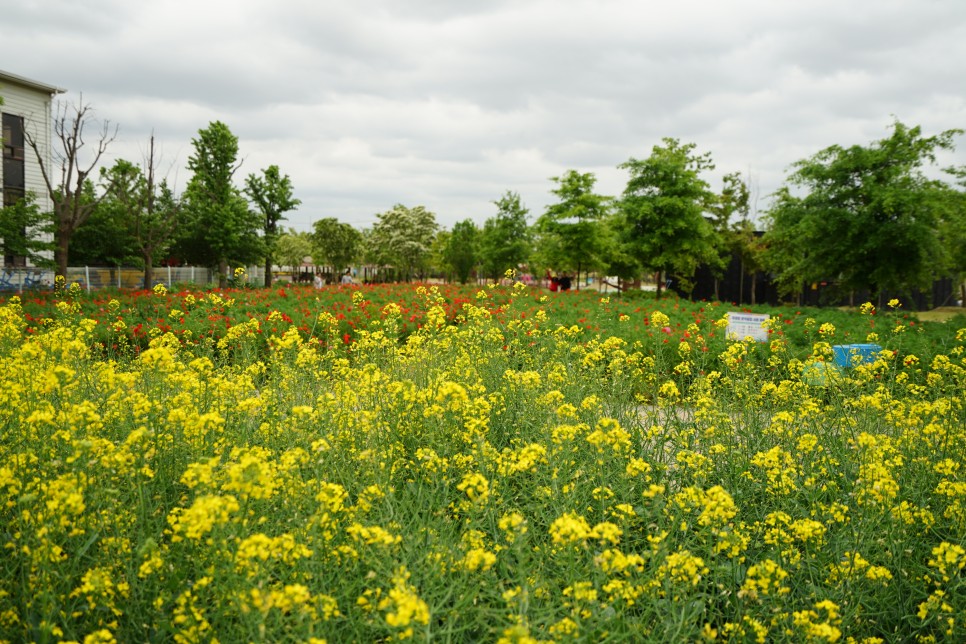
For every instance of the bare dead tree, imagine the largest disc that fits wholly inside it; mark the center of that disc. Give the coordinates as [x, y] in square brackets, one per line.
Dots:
[72, 206]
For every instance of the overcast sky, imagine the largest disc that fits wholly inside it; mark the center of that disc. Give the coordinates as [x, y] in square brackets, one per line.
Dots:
[450, 103]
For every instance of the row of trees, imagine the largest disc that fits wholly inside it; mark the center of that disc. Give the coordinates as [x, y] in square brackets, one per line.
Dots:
[865, 217]
[124, 213]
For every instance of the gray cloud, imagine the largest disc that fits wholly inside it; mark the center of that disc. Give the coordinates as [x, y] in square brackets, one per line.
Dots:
[450, 104]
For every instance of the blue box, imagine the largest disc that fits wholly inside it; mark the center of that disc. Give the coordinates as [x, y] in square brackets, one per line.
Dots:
[849, 355]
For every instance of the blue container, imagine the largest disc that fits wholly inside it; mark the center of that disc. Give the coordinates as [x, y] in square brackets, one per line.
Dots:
[850, 355]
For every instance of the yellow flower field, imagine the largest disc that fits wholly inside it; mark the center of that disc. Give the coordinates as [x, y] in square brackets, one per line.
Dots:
[478, 481]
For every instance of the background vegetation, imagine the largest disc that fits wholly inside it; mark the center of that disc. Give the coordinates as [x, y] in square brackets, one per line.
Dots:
[876, 219]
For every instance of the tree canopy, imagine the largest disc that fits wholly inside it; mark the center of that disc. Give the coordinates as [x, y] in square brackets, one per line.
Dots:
[292, 247]
[335, 243]
[663, 210]
[105, 239]
[505, 240]
[220, 227]
[146, 212]
[460, 251]
[272, 195]
[865, 217]
[402, 238]
[571, 236]
[22, 228]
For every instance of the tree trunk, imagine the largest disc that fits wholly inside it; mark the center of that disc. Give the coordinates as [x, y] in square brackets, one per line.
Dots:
[223, 273]
[741, 285]
[60, 253]
[268, 272]
[148, 271]
[660, 274]
[754, 284]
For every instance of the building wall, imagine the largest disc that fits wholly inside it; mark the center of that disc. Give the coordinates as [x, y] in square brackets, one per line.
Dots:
[32, 102]
[35, 107]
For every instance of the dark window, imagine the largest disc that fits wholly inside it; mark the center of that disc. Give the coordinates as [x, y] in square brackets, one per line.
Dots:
[14, 183]
[13, 153]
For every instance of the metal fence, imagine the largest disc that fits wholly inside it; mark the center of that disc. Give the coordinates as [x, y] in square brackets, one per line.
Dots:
[90, 278]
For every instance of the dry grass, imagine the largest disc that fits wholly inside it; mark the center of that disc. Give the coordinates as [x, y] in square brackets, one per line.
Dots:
[941, 314]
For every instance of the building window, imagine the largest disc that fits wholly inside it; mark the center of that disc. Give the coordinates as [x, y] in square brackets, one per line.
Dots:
[13, 154]
[14, 185]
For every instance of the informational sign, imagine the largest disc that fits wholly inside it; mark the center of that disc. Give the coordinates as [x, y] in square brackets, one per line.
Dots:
[745, 325]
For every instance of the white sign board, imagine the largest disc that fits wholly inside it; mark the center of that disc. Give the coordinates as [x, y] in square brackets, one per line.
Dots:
[744, 325]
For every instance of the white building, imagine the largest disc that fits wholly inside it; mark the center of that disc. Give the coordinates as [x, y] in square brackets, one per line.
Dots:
[26, 103]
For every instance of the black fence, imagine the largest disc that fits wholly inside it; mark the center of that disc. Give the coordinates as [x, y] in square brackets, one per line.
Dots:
[737, 286]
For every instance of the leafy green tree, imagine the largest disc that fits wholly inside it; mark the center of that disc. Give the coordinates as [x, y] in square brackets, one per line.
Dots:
[22, 228]
[505, 240]
[618, 261]
[952, 229]
[292, 247]
[402, 238]
[66, 178]
[220, 227]
[663, 207]
[571, 230]
[864, 216]
[148, 211]
[272, 195]
[460, 252]
[335, 243]
[437, 255]
[104, 238]
[733, 200]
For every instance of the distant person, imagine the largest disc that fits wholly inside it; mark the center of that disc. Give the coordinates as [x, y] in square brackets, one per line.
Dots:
[552, 281]
[347, 278]
[317, 282]
[564, 282]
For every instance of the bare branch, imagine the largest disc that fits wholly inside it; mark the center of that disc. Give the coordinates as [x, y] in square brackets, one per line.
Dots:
[70, 209]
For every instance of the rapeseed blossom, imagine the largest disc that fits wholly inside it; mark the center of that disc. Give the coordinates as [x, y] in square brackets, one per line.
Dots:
[490, 474]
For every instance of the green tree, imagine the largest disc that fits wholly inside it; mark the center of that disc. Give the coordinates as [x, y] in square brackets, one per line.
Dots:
[460, 252]
[65, 179]
[402, 238]
[618, 261]
[220, 227]
[864, 216]
[733, 200]
[104, 238]
[291, 249]
[437, 255]
[272, 195]
[952, 229]
[505, 240]
[335, 243]
[663, 208]
[148, 211]
[571, 231]
[22, 228]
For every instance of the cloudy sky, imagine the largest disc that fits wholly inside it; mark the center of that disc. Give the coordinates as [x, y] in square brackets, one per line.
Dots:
[449, 103]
